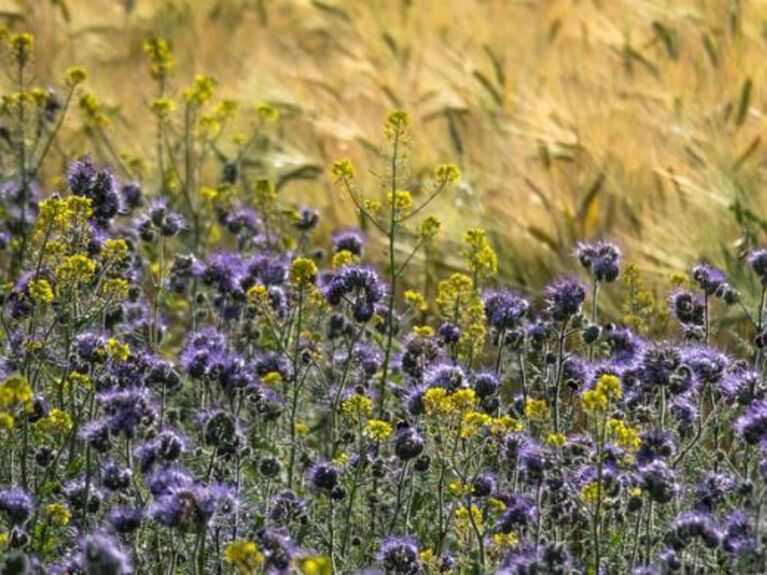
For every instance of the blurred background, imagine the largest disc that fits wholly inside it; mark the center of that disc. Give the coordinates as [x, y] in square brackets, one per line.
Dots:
[641, 121]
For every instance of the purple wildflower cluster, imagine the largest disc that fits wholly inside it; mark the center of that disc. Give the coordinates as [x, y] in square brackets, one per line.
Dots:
[187, 390]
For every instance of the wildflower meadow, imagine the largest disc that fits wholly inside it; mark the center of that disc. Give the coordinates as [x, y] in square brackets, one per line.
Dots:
[201, 373]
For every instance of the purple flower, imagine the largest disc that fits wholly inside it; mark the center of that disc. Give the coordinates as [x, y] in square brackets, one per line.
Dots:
[288, 508]
[408, 443]
[17, 504]
[399, 555]
[757, 260]
[124, 519]
[323, 475]
[690, 526]
[687, 308]
[128, 409]
[278, 549]
[191, 507]
[564, 298]
[103, 555]
[202, 351]
[659, 481]
[504, 310]
[738, 531]
[96, 184]
[601, 259]
[446, 376]
[708, 278]
[752, 425]
[359, 285]
[349, 240]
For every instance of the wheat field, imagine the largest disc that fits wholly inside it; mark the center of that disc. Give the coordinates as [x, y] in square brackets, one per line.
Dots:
[640, 121]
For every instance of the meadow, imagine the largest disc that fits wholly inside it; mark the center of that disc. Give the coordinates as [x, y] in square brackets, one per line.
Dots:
[382, 287]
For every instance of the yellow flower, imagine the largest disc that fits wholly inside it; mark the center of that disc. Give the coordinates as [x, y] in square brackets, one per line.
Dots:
[75, 75]
[594, 401]
[635, 491]
[496, 504]
[315, 565]
[118, 351]
[400, 199]
[428, 229]
[76, 269]
[40, 291]
[416, 300]
[341, 459]
[460, 489]
[357, 406]
[396, 124]
[200, 91]
[343, 170]
[610, 386]
[625, 436]
[463, 399]
[423, 330]
[6, 421]
[473, 422]
[536, 410]
[303, 272]
[272, 378]
[22, 47]
[116, 288]
[159, 56]
[480, 257]
[556, 439]
[301, 428]
[57, 514]
[15, 390]
[436, 402]
[3, 537]
[94, 110]
[505, 424]
[464, 517]
[378, 430]
[590, 493]
[343, 258]
[447, 174]
[267, 112]
[244, 556]
[506, 539]
[79, 379]
[57, 422]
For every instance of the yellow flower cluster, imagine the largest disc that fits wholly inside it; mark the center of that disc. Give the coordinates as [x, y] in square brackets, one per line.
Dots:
[556, 439]
[506, 539]
[396, 124]
[116, 288]
[343, 170]
[266, 112]
[439, 402]
[428, 229]
[447, 174]
[458, 301]
[344, 258]
[40, 291]
[59, 215]
[416, 300]
[15, 390]
[6, 421]
[480, 256]
[536, 410]
[303, 272]
[271, 379]
[22, 48]
[57, 422]
[314, 565]
[244, 556]
[473, 422]
[505, 424]
[423, 331]
[590, 492]
[114, 250]
[201, 90]
[357, 406]
[159, 56]
[93, 110]
[378, 430]
[118, 351]
[625, 436]
[76, 269]
[75, 76]
[464, 517]
[401, 200]
[57, 514]
[607, 389]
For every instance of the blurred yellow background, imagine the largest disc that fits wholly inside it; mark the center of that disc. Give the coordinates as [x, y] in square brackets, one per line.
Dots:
[637, 120]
